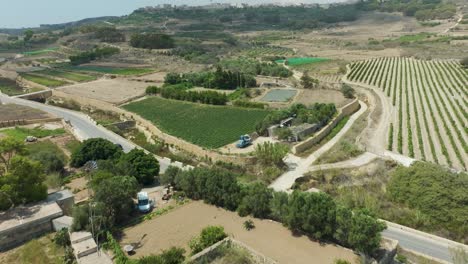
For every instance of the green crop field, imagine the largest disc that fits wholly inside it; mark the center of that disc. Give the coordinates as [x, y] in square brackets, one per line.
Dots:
[77, 77]
[111, 70]
[9, 87]
[20, 133]
[204, 125]
[42, 80]
[301, 61]
[39, 52]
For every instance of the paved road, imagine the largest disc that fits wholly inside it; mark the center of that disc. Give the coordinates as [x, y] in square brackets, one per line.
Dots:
[84, 127]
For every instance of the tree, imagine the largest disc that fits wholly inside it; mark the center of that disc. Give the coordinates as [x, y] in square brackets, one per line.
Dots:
[307, 81]
[271, 153]
[9, 147]
[312, 213]
[169, 176]
[343, 224]
[464, 62]
[95, 149]
[28, 34]
[279, 206]
[144, 167]
[22, 184]
[364, 234]
[116, 196]
[347, 91]
[51, 161]
[256, 201]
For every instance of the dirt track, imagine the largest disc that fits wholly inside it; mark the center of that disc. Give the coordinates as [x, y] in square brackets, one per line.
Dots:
[268, 238]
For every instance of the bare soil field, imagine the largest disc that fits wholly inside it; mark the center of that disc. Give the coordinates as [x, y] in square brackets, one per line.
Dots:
[16, 112]
[108, 90]
[310, 96]
[269, 238]
[157, 77]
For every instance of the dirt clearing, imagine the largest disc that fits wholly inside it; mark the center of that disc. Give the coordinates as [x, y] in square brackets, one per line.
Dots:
[108, 90]
[269, 238]
[17, 112]
[311, 96]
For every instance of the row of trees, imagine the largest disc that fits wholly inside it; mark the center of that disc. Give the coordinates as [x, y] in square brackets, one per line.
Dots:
[152, 41]
[21, 179]
[315, 214]
[180, 93]
[254, 67]
[97, 53]
[219, 79]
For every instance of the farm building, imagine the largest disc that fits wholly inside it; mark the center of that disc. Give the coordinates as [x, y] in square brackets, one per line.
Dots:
[300, 132]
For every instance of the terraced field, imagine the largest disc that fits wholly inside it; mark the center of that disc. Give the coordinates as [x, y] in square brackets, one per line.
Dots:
[76, 77]
[43, 80]
[269, 50]
[430, 118]
[204, 125]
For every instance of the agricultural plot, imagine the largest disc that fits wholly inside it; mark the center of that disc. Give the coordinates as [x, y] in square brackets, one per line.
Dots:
[10, 87]
[204, 125]
[301, 61]
[43, 80]
[279, 95]
[72, 76]
[111, 70]
[430, 106]
[40, 52]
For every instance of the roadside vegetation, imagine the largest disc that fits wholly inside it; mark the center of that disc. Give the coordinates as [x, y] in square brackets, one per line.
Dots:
[424, 196]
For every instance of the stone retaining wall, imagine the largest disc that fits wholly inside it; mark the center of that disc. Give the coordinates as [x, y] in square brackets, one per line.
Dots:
[346, 110]
[21, 122]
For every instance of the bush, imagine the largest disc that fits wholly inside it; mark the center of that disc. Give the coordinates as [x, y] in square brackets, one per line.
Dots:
[97, 53]
[347, 91]
[152, 90]
[249, 225]
[62, 238]
[144, 167]
[173, 255]
[208, 236]
[248, 104]
[464, 62]
[51, 161]
[271, 153]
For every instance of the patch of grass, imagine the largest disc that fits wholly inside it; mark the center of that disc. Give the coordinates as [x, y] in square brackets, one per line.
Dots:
[204, 125]
[42, 250]
[72, 145]
[45, 145]
[40, 52]
[20, 133]
[49, 82]
[77, 77]
[111, 70]
[301, 61]
[9, 87]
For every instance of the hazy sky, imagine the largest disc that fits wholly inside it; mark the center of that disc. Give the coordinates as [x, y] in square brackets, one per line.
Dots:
[31, 13]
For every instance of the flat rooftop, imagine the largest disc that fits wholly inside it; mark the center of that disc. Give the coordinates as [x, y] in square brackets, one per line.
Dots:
[24, 215]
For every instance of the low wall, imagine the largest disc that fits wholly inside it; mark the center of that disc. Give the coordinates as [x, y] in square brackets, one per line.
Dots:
[36, 95]
[21, 122]
[207, 252]
[346, 110]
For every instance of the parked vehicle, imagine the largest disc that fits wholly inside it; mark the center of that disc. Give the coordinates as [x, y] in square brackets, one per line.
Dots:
[144, 204]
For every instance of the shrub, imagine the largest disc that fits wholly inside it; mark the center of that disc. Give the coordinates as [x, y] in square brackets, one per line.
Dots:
[62, 237]
[347, 91]
[152, 41]
[208, 236]
[152, 90]
[249, 225]
[271, 153]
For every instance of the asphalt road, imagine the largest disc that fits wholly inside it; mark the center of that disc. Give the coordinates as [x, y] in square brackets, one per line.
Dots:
[83, 126]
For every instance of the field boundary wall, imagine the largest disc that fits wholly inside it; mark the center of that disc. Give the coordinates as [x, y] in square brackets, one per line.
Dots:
[346, 110]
